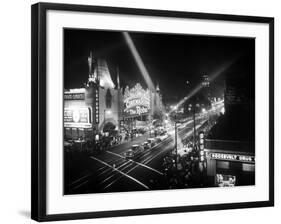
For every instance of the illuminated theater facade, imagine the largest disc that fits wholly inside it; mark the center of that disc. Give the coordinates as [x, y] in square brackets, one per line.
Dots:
[141, 106]
[101, 106]
[95, 108]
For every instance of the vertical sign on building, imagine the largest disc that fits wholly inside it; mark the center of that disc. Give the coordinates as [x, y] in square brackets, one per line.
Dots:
[202, 163]
[97, 105]
[201, 146]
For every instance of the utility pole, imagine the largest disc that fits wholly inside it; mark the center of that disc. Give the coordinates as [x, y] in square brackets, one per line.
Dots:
[194, 112]
[194, 124]
[176, 142]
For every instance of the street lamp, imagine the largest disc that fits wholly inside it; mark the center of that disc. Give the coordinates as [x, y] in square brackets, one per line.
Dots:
[176, 142]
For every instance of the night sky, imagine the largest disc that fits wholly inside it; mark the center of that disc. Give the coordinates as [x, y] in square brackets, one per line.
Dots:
[171, 60]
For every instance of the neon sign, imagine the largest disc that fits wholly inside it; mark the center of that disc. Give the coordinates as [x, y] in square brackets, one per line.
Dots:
[74, 96]
[136, 100]
[232, 157]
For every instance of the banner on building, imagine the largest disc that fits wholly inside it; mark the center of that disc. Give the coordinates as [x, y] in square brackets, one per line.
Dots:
[77, 117]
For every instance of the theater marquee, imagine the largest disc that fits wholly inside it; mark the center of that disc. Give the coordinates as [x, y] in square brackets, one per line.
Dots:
[136, 100]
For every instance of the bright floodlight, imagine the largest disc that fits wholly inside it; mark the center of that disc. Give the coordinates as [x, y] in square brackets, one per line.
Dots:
[138, 60]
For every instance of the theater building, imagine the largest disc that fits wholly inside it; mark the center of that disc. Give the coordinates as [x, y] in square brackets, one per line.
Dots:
[102, 106]
[94, 108]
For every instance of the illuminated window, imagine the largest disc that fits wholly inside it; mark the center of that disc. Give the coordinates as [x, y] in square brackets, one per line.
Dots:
[248, 167]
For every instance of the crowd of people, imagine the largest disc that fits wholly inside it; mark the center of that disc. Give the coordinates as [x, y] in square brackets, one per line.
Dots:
[182, 169]
[102, 142]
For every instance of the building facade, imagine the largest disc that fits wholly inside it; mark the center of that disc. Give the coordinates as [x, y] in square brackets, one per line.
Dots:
[101, 106]
[95, 108]
[230, 144]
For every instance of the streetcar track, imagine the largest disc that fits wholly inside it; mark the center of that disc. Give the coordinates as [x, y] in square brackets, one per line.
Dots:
[124, 174]
[145, 158]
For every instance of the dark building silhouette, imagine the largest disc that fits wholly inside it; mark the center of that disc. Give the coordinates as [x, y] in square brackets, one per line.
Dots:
[230, 144]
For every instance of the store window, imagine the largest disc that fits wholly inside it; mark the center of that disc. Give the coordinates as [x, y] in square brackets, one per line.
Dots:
[222, 165]
[248, 167]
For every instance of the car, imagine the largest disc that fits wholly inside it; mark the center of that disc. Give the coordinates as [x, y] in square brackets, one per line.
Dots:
[146, 145]
[157, 140]
[163, 136]
[135, 150]
[129, 154]
[151, 141]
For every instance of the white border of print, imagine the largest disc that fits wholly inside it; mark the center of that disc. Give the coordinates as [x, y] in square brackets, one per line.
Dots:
[58, 203]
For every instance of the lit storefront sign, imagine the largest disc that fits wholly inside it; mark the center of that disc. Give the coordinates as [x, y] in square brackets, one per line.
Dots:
[136, 100]
[77, 117]
[231, 157]
[74, 96]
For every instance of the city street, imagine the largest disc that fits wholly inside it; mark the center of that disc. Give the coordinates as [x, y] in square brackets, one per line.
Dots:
[110, 171]
[147, 121]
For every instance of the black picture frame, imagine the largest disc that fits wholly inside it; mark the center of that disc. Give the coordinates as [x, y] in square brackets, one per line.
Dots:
[38, 108]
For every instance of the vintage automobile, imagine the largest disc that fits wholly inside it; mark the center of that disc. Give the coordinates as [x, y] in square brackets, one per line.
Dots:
[146, 145]
[132, 152]
[163, 136]
[151, 141]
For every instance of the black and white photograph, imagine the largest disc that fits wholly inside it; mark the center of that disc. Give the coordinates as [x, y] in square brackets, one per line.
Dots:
[148, 111]
[138, 111]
